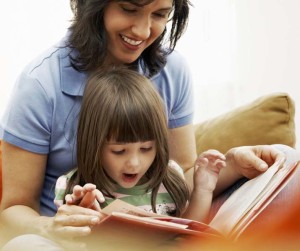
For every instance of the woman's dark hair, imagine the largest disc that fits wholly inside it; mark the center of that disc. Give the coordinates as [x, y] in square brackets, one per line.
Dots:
[88, 35]
[122, 105]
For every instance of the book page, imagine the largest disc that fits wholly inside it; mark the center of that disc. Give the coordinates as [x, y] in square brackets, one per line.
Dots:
[240, 202]
[124, 207]
[284, 175]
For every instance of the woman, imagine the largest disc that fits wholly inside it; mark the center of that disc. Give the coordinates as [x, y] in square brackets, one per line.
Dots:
[38, 129]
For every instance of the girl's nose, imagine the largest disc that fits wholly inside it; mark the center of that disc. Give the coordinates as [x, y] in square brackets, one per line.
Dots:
[133, 161]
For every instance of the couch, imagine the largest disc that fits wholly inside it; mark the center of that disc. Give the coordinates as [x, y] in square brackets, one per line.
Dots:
[266, 120]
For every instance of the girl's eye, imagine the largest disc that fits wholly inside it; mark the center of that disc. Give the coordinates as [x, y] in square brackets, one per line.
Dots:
[146, 149]
[118, 152]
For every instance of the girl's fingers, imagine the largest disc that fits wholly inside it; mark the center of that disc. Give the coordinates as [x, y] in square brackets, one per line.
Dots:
[88, 187]
[87, 196]
[77, 195]
[92, 200]
[99, 196]
[88, 199]
[212, 154]
[69, 199]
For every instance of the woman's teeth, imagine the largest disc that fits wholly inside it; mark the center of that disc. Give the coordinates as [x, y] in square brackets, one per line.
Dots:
[130, 41]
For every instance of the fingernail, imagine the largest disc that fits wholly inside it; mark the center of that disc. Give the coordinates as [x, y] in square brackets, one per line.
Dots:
[263, 167]
[95, 220]
[86, 230]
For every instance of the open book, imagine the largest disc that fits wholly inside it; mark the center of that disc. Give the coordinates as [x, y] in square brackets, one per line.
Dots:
[236, 213]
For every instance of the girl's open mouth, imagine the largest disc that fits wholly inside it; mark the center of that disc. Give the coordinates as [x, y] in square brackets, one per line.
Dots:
[129, 177]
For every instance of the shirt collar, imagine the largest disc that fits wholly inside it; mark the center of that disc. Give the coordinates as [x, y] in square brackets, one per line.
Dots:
[72, 81]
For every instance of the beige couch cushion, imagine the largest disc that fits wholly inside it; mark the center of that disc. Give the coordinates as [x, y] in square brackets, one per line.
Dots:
[267, 120]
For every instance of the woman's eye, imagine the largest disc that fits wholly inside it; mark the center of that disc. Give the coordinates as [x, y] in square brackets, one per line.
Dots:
[160, 15]
[130, 10]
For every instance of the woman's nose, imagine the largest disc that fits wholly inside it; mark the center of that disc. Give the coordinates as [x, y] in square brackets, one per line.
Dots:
[142, 28]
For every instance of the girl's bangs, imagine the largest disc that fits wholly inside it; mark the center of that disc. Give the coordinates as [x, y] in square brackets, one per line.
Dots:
[131, 125]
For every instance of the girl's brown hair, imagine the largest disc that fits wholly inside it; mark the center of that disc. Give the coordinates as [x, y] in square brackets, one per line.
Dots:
[88, 35]
[122, 105]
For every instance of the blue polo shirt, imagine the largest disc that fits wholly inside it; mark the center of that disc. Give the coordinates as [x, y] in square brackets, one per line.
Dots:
[43, 112]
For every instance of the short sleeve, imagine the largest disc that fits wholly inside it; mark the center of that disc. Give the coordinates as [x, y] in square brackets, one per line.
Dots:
[183, 105]
[175, 85]
[27, 120]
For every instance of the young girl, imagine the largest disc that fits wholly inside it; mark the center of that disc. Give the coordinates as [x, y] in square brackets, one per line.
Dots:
[122, 150]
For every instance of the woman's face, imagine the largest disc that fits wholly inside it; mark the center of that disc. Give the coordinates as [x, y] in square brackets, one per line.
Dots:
[127, 163]
[131, 29]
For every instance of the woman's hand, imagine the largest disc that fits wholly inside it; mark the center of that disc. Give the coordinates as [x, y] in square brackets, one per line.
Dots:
[77, 217]
[247, 161]
[250, 161]
[72, 222]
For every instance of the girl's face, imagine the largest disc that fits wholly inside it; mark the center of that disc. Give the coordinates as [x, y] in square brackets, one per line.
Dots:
[127, 163]
[131, 29]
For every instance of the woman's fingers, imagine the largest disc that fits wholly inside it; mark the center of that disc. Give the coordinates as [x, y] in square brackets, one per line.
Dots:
[76, 210]
[76, 220]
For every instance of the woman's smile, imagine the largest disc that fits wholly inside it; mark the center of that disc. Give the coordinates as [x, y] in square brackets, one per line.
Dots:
[132, 28]
[131, 45]
[131, 41]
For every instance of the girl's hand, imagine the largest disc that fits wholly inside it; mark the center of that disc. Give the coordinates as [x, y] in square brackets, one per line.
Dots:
[207, 168]
[87, 196]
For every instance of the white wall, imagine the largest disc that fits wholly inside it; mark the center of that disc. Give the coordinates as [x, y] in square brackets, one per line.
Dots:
[209, 45]
[27, 28]
[268, 49]
[258, 54]
[237, 49]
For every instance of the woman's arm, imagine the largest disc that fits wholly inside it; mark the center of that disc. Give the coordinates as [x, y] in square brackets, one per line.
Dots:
[182, 146]
[23, 177]
[244, 161]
